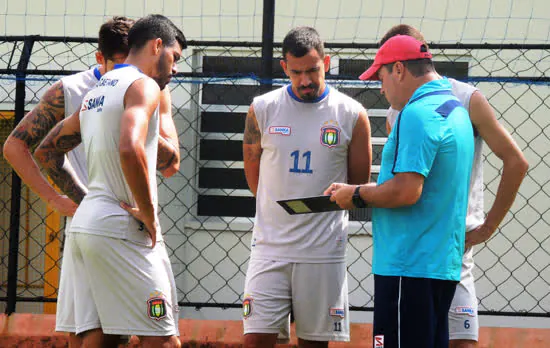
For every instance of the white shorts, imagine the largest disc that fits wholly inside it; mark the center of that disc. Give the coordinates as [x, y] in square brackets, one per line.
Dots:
[463, 318]
[122, 287]
[316, 292]
[64, 316]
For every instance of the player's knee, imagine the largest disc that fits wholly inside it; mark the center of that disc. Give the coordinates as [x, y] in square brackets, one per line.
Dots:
[257, 340]
[312, 344]
[160, 341]
[462, 344]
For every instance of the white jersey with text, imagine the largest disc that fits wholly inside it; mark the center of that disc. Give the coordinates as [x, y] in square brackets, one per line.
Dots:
[100, 115]
[304, 150]
[75, 88]
[475, 215]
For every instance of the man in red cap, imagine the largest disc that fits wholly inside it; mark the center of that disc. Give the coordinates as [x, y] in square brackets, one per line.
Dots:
[420, 199]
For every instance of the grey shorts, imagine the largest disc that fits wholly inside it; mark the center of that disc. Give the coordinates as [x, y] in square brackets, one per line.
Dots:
[122, 287]
[463, 318]
[316, 292]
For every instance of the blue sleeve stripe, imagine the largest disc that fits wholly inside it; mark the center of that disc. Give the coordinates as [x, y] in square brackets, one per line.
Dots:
[398, 122]
[446, 108]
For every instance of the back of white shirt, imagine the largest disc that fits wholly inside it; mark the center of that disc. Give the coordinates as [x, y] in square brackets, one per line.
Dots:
[75, 88]
[100, 212]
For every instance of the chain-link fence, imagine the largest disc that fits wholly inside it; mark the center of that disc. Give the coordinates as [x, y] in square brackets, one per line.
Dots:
[207, 211]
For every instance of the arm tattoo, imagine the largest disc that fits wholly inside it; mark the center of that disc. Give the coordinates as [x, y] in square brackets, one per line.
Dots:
[52, 158]
[252, 150]
[251, 131]
[43, 117]
[166, 154]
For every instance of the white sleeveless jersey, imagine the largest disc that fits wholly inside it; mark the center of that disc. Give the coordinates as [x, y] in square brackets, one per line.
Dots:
[304, 150]
[100, 115]
[75, 88]
[475, 215]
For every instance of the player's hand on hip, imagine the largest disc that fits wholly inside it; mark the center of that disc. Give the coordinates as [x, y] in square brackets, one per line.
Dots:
[478, 235]
[64, 205]
[152, 225]
[341, 194]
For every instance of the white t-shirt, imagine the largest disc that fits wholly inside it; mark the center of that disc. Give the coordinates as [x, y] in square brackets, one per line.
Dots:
[304, 150]
[99, 212]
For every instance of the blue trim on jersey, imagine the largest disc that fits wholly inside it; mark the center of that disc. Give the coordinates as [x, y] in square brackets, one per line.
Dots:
[398, 122]
[446, 108]
[97, 73]
[443, 92]
[316, 100]
[118, 66]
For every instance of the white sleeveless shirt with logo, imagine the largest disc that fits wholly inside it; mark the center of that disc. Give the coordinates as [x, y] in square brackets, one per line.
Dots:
[100, 116]
[74, 88]
[475, 215]
[304, 150]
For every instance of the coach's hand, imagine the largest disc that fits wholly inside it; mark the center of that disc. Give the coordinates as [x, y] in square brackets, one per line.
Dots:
[151, 224]
[64, 205]
[341, 194]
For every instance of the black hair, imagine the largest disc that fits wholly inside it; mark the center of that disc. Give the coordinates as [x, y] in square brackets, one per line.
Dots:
[113, 36]
[155, 27]
[299, 41]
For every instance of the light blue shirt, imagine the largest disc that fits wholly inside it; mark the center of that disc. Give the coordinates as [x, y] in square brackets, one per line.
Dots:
[433, 136]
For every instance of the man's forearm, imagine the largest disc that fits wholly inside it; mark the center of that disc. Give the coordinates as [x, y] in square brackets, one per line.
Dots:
[168, 155]
[134, 167]
[512, 176]
[63, 175]
[397, 192]
[22, 161]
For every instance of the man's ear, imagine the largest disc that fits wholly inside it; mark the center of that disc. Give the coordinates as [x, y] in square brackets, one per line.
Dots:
[326, 61]
[99, 58]
[283, 65]
[157, 46]
[399, 69]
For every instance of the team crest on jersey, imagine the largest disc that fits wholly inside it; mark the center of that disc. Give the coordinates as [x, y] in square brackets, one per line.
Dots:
[247, 307]
[337, 312]
[93, 103]
[156, 306]
[282, 130]
[330, 134]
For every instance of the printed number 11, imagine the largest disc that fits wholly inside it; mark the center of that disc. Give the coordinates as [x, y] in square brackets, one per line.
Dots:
[338, 326]
[296, 155]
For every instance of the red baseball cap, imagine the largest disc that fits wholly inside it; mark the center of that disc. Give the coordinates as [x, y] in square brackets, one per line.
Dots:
[397, 49]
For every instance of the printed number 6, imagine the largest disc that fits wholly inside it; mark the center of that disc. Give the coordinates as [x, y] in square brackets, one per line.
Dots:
[466, 324]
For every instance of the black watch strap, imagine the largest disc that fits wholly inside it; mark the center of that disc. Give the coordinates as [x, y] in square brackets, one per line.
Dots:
[357, 201]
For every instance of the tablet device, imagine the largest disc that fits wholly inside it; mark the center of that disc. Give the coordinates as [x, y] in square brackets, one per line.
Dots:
[306, 205]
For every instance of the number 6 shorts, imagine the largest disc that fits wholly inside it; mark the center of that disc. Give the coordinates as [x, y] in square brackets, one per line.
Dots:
[317, 293]
[122, 287]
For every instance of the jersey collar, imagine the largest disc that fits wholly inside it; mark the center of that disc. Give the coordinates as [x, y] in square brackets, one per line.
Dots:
[118, 66]
[97, 73]
[316, 100]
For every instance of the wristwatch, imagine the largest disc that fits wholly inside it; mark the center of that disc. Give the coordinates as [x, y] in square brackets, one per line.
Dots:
[356, 199]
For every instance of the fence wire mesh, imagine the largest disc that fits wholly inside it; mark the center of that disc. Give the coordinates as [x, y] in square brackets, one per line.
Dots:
[207, 211]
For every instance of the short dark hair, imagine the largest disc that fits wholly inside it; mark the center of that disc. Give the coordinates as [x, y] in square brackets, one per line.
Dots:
[113, 36]
[403, 29]
[417, 67]
[155, 27]
[299, 41]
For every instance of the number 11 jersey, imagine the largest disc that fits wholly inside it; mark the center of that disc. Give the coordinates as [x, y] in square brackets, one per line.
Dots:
[304, 150]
